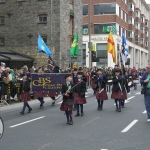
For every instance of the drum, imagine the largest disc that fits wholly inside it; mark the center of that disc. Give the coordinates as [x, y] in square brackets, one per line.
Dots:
[109, 82]
[130, 84]
[1, 127]
[136, 81]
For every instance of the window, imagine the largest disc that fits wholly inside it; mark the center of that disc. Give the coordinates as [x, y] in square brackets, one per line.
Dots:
[2, 1]
[130, 34]
[146, 33]
[142, 19]
[146, 43]
[105, 28]
[44, 39]
[131, 20]
[84, 29]
[101, 53]
[146, 24]
[143, 30]
[131, 7]
[112, 8]
[137, 26]
[142, 41]
[2, 41]
[2, 20]
[43, 19]
[125, 17]
[122, 14]
[137, 38]
[85, 10]
[137, 14]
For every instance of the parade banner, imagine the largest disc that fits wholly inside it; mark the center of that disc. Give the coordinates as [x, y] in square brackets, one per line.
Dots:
[48, 82]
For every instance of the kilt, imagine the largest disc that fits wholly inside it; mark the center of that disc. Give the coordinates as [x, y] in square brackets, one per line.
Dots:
[93, 85]
[119, 95]
[79, 99]
[25, 96]
[44, 94]
[52, 94]
[65, 107]
[40, 94]
[102, 95]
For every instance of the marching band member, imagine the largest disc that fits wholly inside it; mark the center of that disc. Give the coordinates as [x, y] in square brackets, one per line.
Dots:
[67, 104]
[101, 93]
[41, 99]
[79, 95]
[25, 95]
[135, 77]
[119, 89]
[93, 75]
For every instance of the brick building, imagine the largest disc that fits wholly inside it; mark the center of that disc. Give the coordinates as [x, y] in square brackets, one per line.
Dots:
[55, 20]
[132, 16]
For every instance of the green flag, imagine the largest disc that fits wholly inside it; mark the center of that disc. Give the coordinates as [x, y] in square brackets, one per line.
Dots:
[74, 47]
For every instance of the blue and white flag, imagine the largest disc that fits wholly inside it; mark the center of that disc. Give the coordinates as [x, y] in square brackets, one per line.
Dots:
[125, 50]
[42, 47]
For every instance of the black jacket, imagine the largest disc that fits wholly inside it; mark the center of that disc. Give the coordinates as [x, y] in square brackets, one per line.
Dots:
[100, 84]
[81, 88]
[64, 89]
[123, 84]
[25, 86]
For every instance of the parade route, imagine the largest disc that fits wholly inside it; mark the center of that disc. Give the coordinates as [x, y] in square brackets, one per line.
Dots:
[46, 129]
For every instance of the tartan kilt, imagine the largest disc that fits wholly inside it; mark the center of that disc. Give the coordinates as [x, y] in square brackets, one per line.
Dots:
[93, 84]
[102, 95]
[25, 96]
[38, 94]
[119, 95]
[79, 99]
[52, 94]
[65, 107]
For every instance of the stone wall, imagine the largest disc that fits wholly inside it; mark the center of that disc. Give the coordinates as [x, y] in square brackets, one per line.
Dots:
[23, 21]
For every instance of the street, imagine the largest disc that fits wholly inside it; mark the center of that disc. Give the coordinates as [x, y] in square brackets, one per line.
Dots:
[46, 129]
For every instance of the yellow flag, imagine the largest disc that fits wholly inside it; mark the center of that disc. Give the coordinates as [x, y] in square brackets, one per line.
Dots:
[111, 47]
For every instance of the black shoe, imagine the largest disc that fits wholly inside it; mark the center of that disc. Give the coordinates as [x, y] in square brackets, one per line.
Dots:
[29, 110]
[53, 103]
[82, 113]
[41, 107]
[21, 113]
[98, 108]
[67, 122]
[71, 123]
[77, 115]
[119, 110]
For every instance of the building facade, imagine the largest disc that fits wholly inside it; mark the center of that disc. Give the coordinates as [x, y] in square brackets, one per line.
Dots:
[128, 16]
[55, 20]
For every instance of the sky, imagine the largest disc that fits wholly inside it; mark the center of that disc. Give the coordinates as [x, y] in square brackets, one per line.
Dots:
[147, 1]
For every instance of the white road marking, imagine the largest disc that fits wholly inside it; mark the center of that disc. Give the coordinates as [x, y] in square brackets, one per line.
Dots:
[86, 96]
[130, 126]
[90, 121]
[126, 101]
[137, 93]
[104, 149]
[144, 112]
[59, 102]
[130, 98]
[26, 122]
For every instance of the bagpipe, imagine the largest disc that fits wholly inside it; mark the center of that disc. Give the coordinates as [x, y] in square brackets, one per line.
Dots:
[70, 89]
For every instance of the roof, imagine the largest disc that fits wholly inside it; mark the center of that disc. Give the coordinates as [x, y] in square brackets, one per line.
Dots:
[14, 56]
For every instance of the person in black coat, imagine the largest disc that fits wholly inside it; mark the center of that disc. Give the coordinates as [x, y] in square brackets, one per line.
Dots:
[25, 95]
[67, 104]
[101, 93]
[119, 90]
[79, 94]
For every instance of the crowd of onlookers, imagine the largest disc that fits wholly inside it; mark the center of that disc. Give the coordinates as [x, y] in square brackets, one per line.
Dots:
[12, 75]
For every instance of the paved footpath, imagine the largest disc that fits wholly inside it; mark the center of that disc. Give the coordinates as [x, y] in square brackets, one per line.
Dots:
[46, 129]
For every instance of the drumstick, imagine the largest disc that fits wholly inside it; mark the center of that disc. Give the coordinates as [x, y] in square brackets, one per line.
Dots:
[69, 89]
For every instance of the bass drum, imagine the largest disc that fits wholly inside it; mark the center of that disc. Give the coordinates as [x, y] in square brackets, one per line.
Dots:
[1, 127]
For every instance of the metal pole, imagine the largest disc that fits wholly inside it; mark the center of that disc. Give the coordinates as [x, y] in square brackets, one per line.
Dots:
[89, 30]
